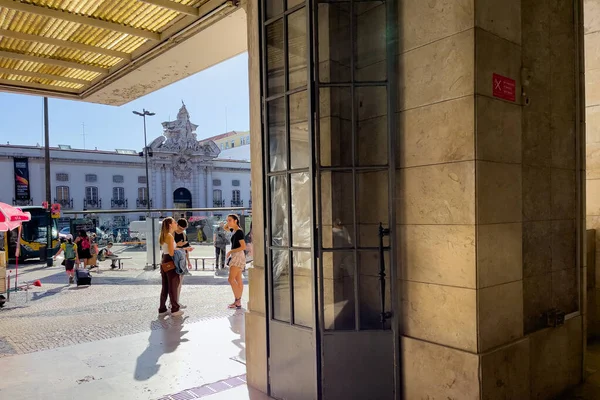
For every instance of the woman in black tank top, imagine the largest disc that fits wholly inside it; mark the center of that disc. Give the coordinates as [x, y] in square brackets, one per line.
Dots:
[236, 260]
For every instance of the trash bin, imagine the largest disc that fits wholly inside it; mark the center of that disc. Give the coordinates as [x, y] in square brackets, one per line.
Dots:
[43, 253]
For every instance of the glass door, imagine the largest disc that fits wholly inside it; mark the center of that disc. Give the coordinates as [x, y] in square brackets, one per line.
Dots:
[329, 165]
[288, 166]
[355, 192]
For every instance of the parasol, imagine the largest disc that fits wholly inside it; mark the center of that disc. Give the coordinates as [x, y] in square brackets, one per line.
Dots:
[12, 218]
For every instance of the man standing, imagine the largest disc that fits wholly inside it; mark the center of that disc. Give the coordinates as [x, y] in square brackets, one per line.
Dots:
[220, 241]
[181, 242]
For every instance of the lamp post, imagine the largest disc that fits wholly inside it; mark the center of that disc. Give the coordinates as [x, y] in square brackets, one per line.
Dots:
[145, 113]
[48, 187]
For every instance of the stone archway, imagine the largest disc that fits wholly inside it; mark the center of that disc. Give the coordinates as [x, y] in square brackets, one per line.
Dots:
[182, 198]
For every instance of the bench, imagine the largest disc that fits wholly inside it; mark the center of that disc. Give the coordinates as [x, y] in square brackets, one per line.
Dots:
[203, 261]
[118, 260]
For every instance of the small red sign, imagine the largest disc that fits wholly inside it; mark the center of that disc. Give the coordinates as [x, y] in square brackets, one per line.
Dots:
[504, 88]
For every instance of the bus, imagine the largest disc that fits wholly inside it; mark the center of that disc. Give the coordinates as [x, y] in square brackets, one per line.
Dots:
[33, 235]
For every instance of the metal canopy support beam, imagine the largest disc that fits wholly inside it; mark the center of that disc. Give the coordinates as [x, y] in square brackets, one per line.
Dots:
[171, 5]
[80, 19]
[51, 61]
[39, 86]
[64, 43]
[34, 74]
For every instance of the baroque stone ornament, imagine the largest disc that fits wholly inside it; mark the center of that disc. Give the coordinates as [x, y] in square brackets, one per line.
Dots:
[181, 133]
[182, 167]
[180, 136]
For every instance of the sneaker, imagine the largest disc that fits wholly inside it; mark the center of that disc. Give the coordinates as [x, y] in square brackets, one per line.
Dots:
[182, 306]
[177, 313]
[71, 280]
[162, 314]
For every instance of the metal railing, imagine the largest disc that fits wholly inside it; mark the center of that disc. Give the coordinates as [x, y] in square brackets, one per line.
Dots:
[22, 203]
[92, 204]
[143, 203]
[119, 203]
[218, 203]
[65, 204]
[237, 203]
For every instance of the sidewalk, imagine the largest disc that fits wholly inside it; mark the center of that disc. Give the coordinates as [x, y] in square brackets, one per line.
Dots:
[171, 358]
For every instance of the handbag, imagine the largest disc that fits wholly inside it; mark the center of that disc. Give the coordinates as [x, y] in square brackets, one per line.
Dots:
[168, 266]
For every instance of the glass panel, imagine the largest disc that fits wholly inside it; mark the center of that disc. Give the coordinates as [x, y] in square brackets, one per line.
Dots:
[339, 301]
[275, 65]
[372, 206]
[294, 3]
[297, 50]
[273, 8]
[279, 211]
[337, 210]
[335, 124]
[335, 48]
[301, 218]
[369, 289]
[280, 263]
[299, 151]
[277, 146]
[370, 47]
[372, 132]
[303, 300]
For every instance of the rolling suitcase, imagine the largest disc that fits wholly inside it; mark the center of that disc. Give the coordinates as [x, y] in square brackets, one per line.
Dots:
[83, 277]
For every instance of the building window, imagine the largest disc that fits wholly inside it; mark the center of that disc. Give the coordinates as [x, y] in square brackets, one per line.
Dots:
[62, 194]
[235, 196]
[118, 193]
[248, 139]
[235, 182]
[120, 220]
[91, 194]
[232, 144]
[142, 194]
[216, 182]
[227, 145]
[118, 179]
[217, 195]
[142, 179]
[91, 178]
[61, 177]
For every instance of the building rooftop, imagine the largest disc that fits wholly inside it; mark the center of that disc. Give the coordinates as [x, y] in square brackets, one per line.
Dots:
[239, 153]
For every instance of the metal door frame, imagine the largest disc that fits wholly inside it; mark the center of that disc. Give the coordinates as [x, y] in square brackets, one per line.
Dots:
[266, 175]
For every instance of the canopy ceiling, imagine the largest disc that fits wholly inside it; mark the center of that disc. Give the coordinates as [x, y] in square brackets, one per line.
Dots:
[75, 48]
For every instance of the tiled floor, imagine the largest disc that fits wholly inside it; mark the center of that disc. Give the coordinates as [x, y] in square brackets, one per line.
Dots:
[182, 361]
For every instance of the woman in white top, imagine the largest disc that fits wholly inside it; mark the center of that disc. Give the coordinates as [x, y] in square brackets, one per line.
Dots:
[170, 278]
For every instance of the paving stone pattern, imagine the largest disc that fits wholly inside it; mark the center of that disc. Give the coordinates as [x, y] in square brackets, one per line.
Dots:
[118, 303]
[209, 389]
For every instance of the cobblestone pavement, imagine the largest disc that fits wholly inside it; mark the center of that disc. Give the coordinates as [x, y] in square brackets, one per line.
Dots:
[119, 302]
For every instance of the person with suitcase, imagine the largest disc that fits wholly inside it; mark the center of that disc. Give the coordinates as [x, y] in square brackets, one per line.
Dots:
[71, 257]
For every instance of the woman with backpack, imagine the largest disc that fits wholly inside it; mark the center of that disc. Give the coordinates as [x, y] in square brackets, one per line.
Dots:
[83, 247]
[71, 257]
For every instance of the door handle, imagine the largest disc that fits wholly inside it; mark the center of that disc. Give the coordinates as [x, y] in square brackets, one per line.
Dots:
[385, 315]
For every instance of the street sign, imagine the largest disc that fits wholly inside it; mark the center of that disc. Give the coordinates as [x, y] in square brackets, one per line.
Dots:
[504, 88]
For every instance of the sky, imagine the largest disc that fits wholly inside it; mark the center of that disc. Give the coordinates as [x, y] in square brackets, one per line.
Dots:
[216, 98]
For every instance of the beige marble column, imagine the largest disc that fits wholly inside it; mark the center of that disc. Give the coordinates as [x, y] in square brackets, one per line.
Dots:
[256, 323]
[487, 199]
[592, 173]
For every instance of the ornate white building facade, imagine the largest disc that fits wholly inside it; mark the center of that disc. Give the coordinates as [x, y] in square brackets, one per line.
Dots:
[183, 172]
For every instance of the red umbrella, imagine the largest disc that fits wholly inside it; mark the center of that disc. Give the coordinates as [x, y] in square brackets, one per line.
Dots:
[12, 218]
